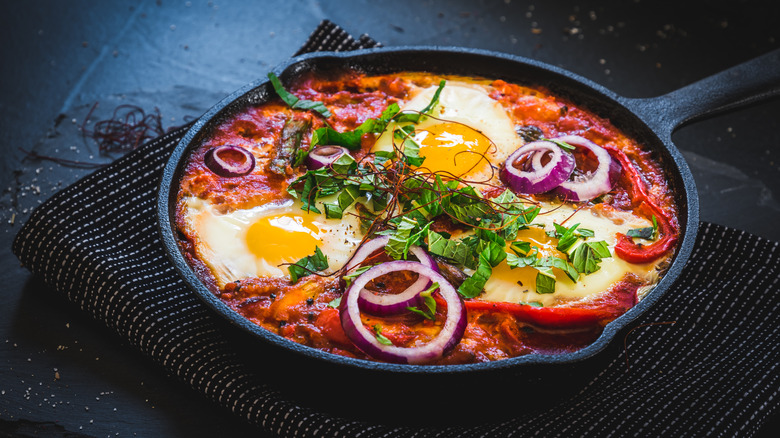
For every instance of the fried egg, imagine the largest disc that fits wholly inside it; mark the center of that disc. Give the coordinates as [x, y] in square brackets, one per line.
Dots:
[468, 136]
[257, 242]
[519, 285]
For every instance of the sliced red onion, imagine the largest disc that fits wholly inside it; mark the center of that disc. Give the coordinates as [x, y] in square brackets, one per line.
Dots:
[229, 161]
[592, 184]
[388, 304]
[534, 177]
[322, 156]
[365, 339]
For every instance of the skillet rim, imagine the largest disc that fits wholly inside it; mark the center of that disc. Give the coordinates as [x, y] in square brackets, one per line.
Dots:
[254, 92]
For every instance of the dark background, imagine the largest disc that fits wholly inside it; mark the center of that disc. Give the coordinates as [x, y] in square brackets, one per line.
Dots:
[63, 374]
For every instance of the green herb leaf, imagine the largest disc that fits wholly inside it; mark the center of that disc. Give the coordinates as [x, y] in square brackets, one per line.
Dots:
[418, 117]
[647, 233]
[545, 280]
[308, 265]
[586, 256]
[293, 101]
[454, 250]
[349, 278]
[429, 309]
[380, 337]
[335, 303]
[473, 285]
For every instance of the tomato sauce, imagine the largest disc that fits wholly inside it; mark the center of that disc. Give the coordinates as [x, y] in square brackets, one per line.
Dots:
[305, 311]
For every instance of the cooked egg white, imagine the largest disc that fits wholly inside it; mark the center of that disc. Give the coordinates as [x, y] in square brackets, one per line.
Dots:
[257, 241]
[519, 284]
[468, 131]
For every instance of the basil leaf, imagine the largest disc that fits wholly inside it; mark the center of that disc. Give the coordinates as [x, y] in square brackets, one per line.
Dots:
[406, 234]
[453, 250]
[356, 273]
[647, 233]
[473, 285]
[429, 311]
[327, 135]
[586, 257]
[561, 264]
[520, 247]
[418, 117]
[545, 281]
[352, 139]
[380, 337]
[293, 101]
[308, 265]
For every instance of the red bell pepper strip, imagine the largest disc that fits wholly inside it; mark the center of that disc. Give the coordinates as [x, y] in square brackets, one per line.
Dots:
[626, 248]
[549, 317]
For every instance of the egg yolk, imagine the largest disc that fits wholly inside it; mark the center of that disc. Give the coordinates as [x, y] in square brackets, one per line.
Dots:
[283, 238]
[526, 277]
[453, 148]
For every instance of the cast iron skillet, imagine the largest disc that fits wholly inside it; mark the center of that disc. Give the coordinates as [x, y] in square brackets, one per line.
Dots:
[650, 121]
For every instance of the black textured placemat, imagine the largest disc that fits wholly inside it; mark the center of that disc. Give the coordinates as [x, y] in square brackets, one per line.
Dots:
[712, 372]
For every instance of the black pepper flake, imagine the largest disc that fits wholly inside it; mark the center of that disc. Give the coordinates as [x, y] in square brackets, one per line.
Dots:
[310, 317]
[309, 301]
[282, 323]
[273, 297]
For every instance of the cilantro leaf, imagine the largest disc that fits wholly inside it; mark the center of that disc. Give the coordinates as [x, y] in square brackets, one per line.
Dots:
[293, 101]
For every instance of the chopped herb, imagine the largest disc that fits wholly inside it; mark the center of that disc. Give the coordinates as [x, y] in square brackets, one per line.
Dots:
[545, 280]
[587, 256]
[293, 101]
[429, 309]
[335, 303]
[473, 285]
[454, 250]
[380, 337]
[308, 265]
[418, 117]
[647, 233]
[349, 278]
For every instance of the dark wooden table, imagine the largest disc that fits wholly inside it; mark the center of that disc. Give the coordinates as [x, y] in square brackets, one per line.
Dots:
[63, 374]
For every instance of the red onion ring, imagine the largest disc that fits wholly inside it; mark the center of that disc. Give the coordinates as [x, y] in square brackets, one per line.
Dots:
[216, 163]
[596, 183]
[388, 304]
[323, 156]
[365, 339]
[535, 177]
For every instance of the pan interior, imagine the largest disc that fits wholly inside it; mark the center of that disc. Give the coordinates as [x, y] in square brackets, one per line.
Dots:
[443, 61]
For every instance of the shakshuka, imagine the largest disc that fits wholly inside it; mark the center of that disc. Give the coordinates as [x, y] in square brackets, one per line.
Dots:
[425, 219]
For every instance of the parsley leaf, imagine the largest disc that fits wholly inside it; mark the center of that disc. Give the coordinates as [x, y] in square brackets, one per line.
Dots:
[293, 101]
[308, 265]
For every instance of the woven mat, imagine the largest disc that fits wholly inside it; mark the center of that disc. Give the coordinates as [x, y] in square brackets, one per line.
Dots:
[712, 371]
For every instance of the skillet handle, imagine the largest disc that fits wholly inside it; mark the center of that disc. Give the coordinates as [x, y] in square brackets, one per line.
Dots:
[750, 82]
